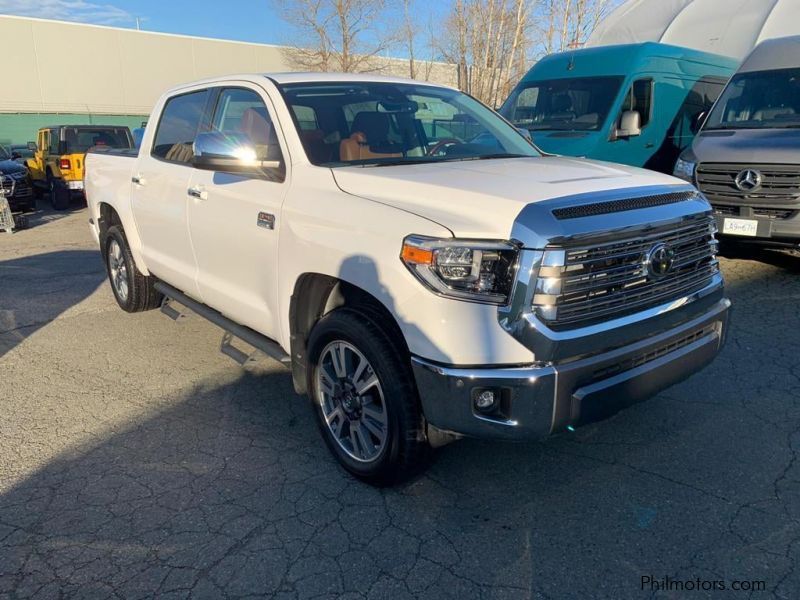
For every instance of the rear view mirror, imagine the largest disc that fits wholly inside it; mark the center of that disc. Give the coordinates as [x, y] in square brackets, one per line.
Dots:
[630, 124]
[32, 146]
[229, 153]
[697, 121]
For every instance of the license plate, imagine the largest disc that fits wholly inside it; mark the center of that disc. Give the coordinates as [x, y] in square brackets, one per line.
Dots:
[740, 227]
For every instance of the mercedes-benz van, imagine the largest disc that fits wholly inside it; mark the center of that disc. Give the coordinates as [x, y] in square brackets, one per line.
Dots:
[746, 158]
[635, 104]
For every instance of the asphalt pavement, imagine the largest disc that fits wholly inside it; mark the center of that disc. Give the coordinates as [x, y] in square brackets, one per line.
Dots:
[137, 461]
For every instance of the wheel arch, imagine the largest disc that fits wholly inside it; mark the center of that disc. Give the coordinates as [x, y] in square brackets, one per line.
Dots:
[110, 216]
[314, 296]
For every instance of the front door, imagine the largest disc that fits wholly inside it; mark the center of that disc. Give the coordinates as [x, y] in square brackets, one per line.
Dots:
[159, 191]
[636, 150]
[235, 219]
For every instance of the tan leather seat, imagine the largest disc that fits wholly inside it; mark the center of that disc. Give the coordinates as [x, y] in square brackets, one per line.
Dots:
[368, 139]
[180, 153]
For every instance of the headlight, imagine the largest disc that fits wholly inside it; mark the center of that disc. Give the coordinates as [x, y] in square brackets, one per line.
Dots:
[476, 270]
[684, 169]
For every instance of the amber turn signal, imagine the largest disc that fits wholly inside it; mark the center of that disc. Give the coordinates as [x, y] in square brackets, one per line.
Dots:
[417, 256]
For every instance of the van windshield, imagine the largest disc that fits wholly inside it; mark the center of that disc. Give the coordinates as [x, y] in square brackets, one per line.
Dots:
[80, 139]
[574, 104]
[758, 100]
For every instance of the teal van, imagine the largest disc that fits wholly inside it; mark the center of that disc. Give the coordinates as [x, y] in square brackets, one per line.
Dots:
[637, 104]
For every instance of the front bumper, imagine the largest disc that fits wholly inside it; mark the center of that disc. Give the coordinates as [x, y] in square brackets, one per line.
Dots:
[785, 231]
[541, 399]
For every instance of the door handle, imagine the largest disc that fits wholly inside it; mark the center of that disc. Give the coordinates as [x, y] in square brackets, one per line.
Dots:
[138, 180]
[198, 192]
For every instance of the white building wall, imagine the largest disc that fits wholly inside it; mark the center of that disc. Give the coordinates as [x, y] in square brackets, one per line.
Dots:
[61, 67]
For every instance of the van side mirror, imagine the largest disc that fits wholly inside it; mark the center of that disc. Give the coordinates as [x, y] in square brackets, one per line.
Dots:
[32, 146]
[229, 153]
[630, 124]
[697, 121]
[15, 155]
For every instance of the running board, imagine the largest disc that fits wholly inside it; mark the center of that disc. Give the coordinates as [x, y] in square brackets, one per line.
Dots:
[233, 330]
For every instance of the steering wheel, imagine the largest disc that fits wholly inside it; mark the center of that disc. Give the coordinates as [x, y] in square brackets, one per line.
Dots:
[441, 144]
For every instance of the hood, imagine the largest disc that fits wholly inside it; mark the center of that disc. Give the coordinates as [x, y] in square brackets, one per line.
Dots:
[7, 167]
[748, 146]
[569, 143]
[482, 198]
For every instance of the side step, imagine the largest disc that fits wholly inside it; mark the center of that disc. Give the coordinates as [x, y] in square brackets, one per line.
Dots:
[233, 330]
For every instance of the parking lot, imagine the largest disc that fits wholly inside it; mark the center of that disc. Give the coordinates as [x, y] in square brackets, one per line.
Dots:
[136, 460]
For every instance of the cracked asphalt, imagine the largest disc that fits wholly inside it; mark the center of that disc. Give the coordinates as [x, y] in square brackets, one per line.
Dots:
[137, 461]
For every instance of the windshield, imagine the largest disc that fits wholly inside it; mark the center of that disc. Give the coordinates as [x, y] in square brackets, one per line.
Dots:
[80, 139]
[4, 154]
[577, 104]
[376, 123]
[758, 100]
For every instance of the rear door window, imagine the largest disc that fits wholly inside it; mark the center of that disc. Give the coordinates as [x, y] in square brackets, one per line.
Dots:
[178, 126]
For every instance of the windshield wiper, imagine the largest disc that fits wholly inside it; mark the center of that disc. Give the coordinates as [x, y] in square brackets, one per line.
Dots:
[496, 155]
[405, 161]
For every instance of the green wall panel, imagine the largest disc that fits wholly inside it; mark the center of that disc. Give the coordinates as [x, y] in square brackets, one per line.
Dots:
[20, 128]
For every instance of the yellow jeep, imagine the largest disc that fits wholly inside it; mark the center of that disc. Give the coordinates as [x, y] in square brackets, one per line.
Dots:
[57, 163]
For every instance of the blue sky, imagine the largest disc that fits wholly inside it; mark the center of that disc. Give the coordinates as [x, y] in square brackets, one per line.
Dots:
[245, 20]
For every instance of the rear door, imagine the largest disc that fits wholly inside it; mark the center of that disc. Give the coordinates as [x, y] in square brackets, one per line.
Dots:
[235, 219]
[159, 184]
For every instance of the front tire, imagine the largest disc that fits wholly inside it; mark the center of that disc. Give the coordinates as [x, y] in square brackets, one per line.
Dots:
[365, 400]
[133, 291]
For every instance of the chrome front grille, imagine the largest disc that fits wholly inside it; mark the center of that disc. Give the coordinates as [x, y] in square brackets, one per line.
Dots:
[780, 184]
[590, 283]
[15, 185]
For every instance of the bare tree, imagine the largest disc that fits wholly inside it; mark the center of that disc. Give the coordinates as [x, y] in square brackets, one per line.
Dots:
[409, 33]
[566, 24]
[337, 35]
[488, 41]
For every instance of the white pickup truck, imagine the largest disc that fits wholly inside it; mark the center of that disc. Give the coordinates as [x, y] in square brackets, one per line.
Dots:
[421, 267]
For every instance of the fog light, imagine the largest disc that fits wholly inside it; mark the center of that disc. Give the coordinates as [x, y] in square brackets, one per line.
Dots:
[486, 400]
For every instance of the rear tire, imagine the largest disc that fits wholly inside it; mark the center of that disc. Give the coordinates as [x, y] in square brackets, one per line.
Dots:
[59, 195]
[133, 291]
[365, 401]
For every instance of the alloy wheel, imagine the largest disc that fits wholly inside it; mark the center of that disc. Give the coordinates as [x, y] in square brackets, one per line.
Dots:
[118, 270]
[352, 401]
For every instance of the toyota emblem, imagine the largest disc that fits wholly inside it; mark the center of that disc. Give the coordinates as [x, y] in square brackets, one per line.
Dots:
[660, 260]
[748, 180]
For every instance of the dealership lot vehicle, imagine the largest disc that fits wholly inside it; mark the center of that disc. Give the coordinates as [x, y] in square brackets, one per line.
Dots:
[57, 163]
[15, 183]
[133, 441]
[746, 159]
[635, 104]
[420, 284]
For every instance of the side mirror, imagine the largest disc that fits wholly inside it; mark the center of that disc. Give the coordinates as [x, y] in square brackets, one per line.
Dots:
[229, 153]
[32, 146]
[697, 121]
[630, 124]
[526, 133]
[15, 155]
